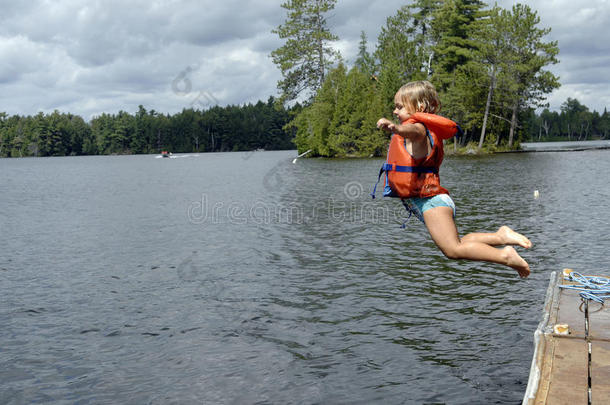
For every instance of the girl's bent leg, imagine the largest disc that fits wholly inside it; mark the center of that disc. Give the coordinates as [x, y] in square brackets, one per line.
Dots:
[503, 236]
[443, 231]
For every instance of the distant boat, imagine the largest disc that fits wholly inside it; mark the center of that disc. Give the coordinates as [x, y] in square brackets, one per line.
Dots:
[165, 154]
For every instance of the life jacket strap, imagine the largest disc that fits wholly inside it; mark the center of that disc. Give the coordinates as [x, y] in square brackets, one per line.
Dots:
[459, 132]
[378, 179]
[408, 169]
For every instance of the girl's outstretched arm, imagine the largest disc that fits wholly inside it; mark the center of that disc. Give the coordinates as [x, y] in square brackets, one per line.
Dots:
[415, 132]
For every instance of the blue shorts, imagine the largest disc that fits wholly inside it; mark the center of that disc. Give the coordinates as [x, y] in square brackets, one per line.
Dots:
[417, 206]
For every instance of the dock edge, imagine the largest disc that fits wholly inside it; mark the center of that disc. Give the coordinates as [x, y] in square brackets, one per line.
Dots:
[539, 341]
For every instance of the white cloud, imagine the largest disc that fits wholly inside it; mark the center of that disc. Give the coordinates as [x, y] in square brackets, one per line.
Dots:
[110, 55]
[19, 56]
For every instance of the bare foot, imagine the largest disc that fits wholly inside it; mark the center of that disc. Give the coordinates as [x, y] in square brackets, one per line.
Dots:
[516, 262]
[511, 237]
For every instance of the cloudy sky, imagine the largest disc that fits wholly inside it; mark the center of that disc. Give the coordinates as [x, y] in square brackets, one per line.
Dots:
[92, 56]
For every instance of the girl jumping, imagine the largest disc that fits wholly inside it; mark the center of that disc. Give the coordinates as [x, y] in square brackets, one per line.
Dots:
[412, 174]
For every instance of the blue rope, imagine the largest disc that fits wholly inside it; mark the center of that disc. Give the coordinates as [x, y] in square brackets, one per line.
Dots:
[593, 288]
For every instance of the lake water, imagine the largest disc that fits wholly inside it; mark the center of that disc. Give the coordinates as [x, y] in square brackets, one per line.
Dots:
[242, 278]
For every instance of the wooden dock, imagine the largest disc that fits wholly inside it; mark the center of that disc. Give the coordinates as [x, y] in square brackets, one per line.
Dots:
[570, 146]
[571, 363]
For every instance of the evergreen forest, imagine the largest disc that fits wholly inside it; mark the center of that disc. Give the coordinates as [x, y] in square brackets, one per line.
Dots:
[217, 129]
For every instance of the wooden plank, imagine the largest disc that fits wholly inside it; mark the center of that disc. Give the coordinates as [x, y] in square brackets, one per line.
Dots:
[571, 312]
[545, 365]
[600, 372]
[552, 299]
[599, 321]
[567, 380]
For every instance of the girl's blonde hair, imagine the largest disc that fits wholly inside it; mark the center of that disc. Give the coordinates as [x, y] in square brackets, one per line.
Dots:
[421, 96]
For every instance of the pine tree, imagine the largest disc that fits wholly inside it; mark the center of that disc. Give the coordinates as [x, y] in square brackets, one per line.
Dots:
[452, 29]
[424, 14]
[529, 55]
[604, 125]
[56, 138]
[137, 143]
[398, 51]
[490, 56]
[365, 61]
[4, 134]
[307, 54]
[40, 144]
[575, 117]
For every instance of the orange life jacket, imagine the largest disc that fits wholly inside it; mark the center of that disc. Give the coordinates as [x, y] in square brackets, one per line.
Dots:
[409, 177]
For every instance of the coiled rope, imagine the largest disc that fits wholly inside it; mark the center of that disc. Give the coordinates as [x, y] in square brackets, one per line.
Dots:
[594, 288]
